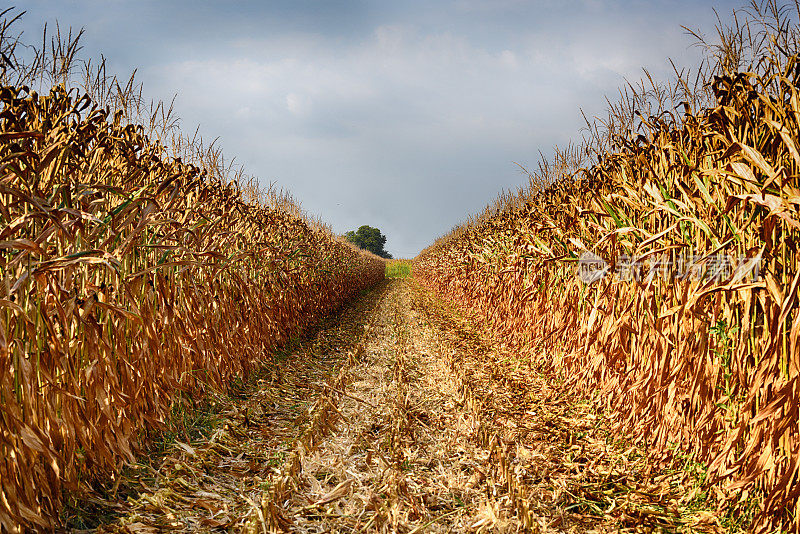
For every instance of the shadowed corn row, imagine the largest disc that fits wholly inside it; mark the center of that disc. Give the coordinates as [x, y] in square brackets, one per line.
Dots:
[709, 365]
[130, 280]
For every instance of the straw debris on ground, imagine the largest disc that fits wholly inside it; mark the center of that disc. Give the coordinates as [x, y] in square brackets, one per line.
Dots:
[401, 415]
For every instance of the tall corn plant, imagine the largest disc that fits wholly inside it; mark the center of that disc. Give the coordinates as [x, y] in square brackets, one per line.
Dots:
[705, 364]
[129, 277]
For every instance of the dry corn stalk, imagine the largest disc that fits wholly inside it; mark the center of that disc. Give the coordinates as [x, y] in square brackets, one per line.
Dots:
[129, 279]
[710, 365]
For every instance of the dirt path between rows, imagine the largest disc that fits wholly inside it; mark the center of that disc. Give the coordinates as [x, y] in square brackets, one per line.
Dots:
[399, 416]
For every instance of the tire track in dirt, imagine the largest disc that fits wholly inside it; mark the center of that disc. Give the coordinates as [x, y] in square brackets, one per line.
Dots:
[394, 449]
[399, 416]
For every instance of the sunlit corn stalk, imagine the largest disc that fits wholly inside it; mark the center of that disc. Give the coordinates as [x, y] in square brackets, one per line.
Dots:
[128, 277]
[711, 367]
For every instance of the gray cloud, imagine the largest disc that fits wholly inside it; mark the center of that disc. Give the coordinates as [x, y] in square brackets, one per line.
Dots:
[405, 116]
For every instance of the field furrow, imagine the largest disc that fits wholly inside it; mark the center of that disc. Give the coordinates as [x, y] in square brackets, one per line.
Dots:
[398, 415]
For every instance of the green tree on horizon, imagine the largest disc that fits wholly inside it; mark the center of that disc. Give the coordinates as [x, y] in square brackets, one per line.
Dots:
[370, 239]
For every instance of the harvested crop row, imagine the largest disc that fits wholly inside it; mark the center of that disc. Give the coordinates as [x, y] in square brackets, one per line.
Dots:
[131, 280]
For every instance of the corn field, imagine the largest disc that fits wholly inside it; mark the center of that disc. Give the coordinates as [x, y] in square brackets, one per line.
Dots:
[130, 280]
[707, 364]
[653, 269]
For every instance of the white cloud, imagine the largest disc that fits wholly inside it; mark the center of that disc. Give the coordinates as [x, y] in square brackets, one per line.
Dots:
[413, 120]
[508, 58]
[298, 104]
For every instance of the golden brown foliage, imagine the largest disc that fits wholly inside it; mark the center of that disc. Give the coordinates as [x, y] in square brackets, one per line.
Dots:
[129, 279]
[710, 366]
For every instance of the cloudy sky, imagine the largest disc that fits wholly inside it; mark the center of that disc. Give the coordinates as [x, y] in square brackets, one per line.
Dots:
[405, 115]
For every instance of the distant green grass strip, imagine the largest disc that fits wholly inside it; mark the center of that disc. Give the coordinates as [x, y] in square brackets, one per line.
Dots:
[398, 269]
